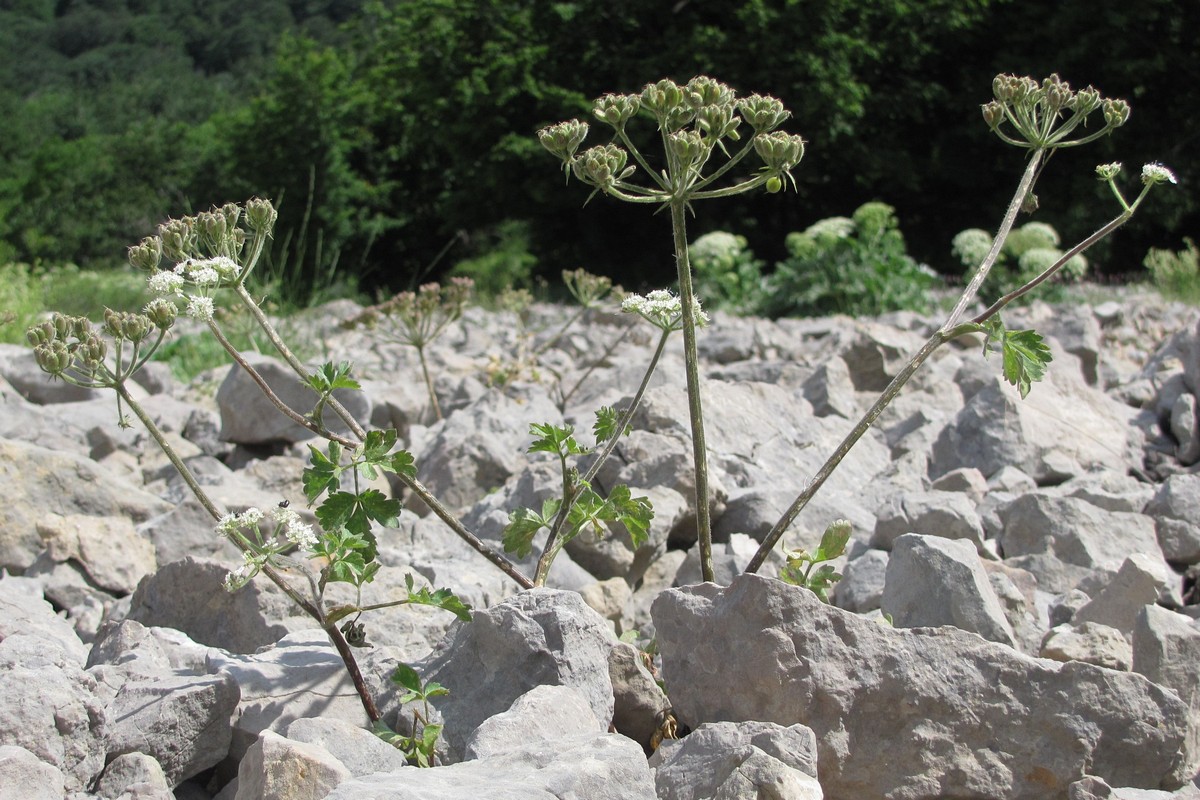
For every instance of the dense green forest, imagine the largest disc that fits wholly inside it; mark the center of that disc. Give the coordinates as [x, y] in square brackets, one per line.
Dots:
[391, 133]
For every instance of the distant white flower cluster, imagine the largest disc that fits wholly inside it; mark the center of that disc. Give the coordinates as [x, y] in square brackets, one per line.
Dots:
[662, 309]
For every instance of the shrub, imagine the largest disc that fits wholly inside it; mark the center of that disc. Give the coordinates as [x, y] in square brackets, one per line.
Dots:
[1176, 274]
[841, 265]
[1027, 252]
[728, 276]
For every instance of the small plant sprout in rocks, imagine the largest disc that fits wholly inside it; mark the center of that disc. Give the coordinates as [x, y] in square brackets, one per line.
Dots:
[1041, 118]
[697, 123]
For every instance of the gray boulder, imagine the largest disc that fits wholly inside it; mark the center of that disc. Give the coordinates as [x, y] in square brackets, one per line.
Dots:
[133, 774]
[1175, 508]
[596, 766]
[23, 776]
[182, 722]
[1074, 531]
[543, 714]
[189, 595]
[1089, 642]
[730, 760]
[540, 636]
[1166, 649]
[950, 515]
[1120, 600]
[39, 481]
[1061, 429]
[49, 706]
[301, 676]
[248, 417]
[933, 581]
[359, 750]
[861, 588]
[277, 768]
[109, 549]
[949, 713]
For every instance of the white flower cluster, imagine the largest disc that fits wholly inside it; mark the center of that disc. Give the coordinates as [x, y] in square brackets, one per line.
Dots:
[1107, 172]
[295, 530]
[205, 274]
[662, 309]
[287, 523]
[239, 577]
[1157, 173]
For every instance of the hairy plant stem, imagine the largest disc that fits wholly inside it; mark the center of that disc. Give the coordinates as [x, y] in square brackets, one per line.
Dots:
[294, 362]
[311, 608]
[571, 492]
[433, 401]
[691, 366]
[945, 333]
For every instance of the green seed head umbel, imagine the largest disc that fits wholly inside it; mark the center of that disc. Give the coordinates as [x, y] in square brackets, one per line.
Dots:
[1044, 116]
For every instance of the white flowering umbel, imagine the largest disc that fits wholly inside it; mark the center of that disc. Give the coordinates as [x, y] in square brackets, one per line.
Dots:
[1152, 175]
[259, 549]
[662, 309]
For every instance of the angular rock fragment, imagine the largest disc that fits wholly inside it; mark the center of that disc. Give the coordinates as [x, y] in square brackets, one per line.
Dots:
[948, 713]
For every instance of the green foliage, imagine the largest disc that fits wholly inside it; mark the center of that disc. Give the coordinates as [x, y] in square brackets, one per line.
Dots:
[799, 569]
[421, 745]
[856, 266]
[727, 274]
[1024, 353]
[503, 263]
[1176, 274]
[1027, 252]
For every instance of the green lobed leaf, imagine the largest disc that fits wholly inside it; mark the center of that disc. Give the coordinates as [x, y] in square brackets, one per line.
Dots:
[442, 598]
[406, 676]
[523, 525]
[1025, 358]
[635, 513]
[328, 378]
[605, 427]
[323, 473]
[554, 439]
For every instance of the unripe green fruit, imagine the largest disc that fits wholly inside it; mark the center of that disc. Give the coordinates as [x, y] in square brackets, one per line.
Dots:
[774, 184]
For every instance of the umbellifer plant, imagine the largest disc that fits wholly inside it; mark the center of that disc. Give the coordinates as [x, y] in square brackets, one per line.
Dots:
[696, 121]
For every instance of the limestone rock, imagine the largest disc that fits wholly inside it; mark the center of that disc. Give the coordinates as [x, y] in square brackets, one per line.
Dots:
[248, 417]
[995, 724]
[277, 768]
[1089, 642]
[596, 766]
[182, 722]
[739, 759]
[540, 636]
[23, 776]
[934, 581]
[543, 714]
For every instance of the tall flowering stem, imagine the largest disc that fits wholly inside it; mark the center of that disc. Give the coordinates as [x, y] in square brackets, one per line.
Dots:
[695, 123]
[1041, 117]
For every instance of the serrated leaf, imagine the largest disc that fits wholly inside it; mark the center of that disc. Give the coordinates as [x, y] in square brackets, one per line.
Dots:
[442, 598]
[402, 463]
[635, 513]
[554, 439]
[376, 446]
[406, 676]
[337, 510]
[1025, 358]
[381, 508]
[605, 427]
[523, 525]
[328, 378]
[323, 473]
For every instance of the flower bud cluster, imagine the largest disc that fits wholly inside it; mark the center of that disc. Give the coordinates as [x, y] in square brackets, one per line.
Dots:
[663, 309]
[585, 287]
[1044, 115]
[204, 251]
[693, 118]
[416, 318]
